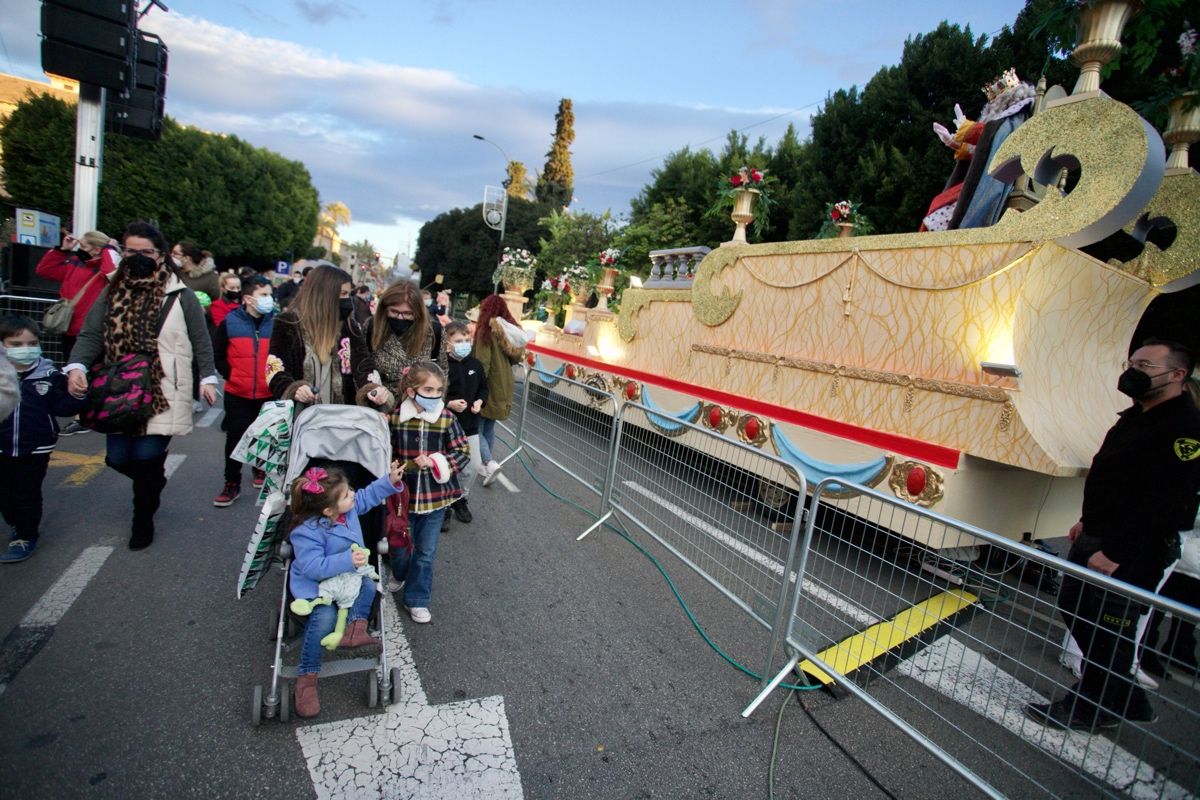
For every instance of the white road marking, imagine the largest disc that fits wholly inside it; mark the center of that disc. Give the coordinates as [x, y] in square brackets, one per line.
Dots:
[209, 417]
[967, 677]
[172, 463]
[59, 597]
[831, 599]
[412, 749]
[24, 641]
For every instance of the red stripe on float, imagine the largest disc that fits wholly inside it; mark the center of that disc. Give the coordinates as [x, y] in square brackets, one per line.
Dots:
[935, 454]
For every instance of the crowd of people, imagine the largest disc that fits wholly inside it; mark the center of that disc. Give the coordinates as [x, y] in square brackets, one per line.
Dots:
[443, 385]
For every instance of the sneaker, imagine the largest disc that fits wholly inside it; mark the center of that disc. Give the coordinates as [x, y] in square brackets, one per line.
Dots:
[420, 615]
[394, 585]
[228, 494]
[259, 477]
[462, 512]
[1142, 716]
[1143, 678]
[73, 428]
[1062, 714]
[1073, 664]
[445, 523]
[18, 550]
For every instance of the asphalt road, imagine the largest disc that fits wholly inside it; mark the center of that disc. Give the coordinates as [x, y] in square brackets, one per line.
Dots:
[141, 687]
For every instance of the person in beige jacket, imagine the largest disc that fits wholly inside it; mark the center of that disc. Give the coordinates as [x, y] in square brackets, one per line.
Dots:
[124, 319]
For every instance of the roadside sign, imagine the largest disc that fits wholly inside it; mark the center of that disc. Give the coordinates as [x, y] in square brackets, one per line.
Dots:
[282, 268]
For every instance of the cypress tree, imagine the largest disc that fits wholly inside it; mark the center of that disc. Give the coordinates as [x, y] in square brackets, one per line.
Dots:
[556, 184]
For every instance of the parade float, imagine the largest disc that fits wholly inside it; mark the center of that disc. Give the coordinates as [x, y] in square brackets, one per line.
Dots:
[968, 370]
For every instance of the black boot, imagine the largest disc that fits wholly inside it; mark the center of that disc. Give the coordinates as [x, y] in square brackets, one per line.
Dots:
[462, 512]
[149, 478]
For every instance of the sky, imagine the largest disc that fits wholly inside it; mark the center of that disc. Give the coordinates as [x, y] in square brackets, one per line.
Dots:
[380, 98]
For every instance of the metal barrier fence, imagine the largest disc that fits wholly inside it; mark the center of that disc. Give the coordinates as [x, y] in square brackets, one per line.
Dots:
[34, 308]
[700, 495]
[954, 652]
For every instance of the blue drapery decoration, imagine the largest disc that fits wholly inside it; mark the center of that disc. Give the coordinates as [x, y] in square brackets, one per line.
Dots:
[815, 471]
[668, 422]
[537, 364]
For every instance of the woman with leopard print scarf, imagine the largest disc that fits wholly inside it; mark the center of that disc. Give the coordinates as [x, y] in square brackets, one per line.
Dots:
[401, 333]
[126, 319]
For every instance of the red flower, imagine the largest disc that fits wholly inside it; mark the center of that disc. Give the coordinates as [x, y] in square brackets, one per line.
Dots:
[756, 176]
[736, 179]
[836, 215]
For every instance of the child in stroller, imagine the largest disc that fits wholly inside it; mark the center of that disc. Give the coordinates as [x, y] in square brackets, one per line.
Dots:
[328, 541]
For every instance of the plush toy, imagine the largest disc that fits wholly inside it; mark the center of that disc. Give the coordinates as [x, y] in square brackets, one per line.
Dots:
[341, 590]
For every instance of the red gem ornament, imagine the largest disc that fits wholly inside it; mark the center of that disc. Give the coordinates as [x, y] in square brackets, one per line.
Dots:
[571, 371]
[715, 415]
[751, 428]
[915, 483]
[631, 390]
[530, 359]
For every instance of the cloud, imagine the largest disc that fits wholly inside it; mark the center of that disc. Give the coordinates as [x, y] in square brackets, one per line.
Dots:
[320, 13]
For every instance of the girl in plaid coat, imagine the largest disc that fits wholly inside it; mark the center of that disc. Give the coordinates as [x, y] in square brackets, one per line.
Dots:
[426, 434]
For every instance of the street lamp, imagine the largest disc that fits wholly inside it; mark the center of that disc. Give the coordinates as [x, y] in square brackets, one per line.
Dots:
[504, 216]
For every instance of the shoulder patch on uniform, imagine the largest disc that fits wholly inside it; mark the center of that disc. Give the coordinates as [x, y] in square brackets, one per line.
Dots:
[1187, 449]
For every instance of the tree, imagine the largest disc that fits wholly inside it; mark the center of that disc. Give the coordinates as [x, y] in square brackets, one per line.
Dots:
[332, 215]
[573, 238]
[556, 184]
[245, 204]
[518, 181]
[458, 245]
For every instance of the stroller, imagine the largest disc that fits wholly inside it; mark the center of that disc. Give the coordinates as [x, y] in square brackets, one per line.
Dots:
[356, 439]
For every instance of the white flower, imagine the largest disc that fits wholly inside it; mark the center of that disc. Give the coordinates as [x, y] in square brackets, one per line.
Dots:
[1187, 42]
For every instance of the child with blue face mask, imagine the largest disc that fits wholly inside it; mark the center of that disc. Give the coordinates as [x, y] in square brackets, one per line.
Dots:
[29, 434]
[425, 433]
[466, 394]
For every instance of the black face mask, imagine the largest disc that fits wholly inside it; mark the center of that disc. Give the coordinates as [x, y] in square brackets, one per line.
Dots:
[233, 297]
[399, 326]
[1135, 383]
[345, 307]
[139, 266]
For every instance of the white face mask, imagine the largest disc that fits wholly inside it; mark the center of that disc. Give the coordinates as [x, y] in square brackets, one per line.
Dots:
[264, 305]
[177, 261]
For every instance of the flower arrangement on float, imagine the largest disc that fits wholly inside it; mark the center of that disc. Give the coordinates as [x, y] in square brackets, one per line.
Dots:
[844, 218]
[737, 192]
[515, 270]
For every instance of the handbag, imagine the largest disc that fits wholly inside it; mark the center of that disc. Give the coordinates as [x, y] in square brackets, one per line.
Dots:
[120, 396]
[398, 536]
[57, 318]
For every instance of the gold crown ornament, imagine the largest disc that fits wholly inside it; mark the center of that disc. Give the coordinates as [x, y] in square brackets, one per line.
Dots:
[999, 85]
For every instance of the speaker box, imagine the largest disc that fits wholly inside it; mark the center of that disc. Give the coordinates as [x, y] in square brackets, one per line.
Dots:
[85, 66]
[122, 12]
[19, 265]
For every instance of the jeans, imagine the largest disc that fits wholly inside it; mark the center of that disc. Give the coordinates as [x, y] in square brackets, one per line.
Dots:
[487, 438]
[467, 477]
[123, 448]
[416, 568]
[323, 620]
[21, 493]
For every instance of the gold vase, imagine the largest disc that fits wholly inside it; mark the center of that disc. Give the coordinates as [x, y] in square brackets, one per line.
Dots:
[515, 303]
[743, 213]
[1183, 128]
[1099, 39]
[845, 230]
[607, 287]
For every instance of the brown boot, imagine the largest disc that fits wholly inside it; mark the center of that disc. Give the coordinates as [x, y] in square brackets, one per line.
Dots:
[307, 703]
[356, 636]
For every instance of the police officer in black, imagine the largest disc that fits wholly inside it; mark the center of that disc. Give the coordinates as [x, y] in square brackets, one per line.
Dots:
[1139, 493]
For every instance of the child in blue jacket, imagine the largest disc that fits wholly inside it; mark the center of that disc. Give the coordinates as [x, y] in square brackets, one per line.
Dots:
[325, 514]
[29, 434]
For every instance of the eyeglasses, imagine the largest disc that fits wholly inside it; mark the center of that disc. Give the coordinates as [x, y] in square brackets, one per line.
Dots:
[1143, 365]
[149, 252]
[401, 315]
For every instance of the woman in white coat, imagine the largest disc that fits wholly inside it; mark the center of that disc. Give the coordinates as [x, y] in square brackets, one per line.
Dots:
[124, 320]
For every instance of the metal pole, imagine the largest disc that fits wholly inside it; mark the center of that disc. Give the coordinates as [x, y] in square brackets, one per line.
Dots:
[503, 217]
[89, 157]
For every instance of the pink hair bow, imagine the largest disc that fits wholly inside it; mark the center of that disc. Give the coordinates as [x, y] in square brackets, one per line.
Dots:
[312, 480]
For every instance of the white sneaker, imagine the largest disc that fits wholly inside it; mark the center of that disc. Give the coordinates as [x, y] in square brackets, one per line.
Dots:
[1144, 679]
[420, 615]
[1073, 664]
[394, 585]
[489, 469]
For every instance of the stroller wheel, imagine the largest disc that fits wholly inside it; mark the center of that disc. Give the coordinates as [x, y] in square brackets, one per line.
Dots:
[372, 689]
[285, 702]
[256, 706]
[395, 685]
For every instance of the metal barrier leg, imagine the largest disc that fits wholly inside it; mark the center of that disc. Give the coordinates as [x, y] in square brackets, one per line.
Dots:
[770, 687]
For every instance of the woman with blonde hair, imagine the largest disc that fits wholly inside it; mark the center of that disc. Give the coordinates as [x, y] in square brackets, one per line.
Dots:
[400, 333]
[314, 344]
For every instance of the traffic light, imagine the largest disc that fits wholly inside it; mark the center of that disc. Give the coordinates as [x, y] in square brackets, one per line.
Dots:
[91, 41]
[139, 111]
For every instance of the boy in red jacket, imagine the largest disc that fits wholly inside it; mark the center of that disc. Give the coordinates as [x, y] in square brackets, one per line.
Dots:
[240, 347]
